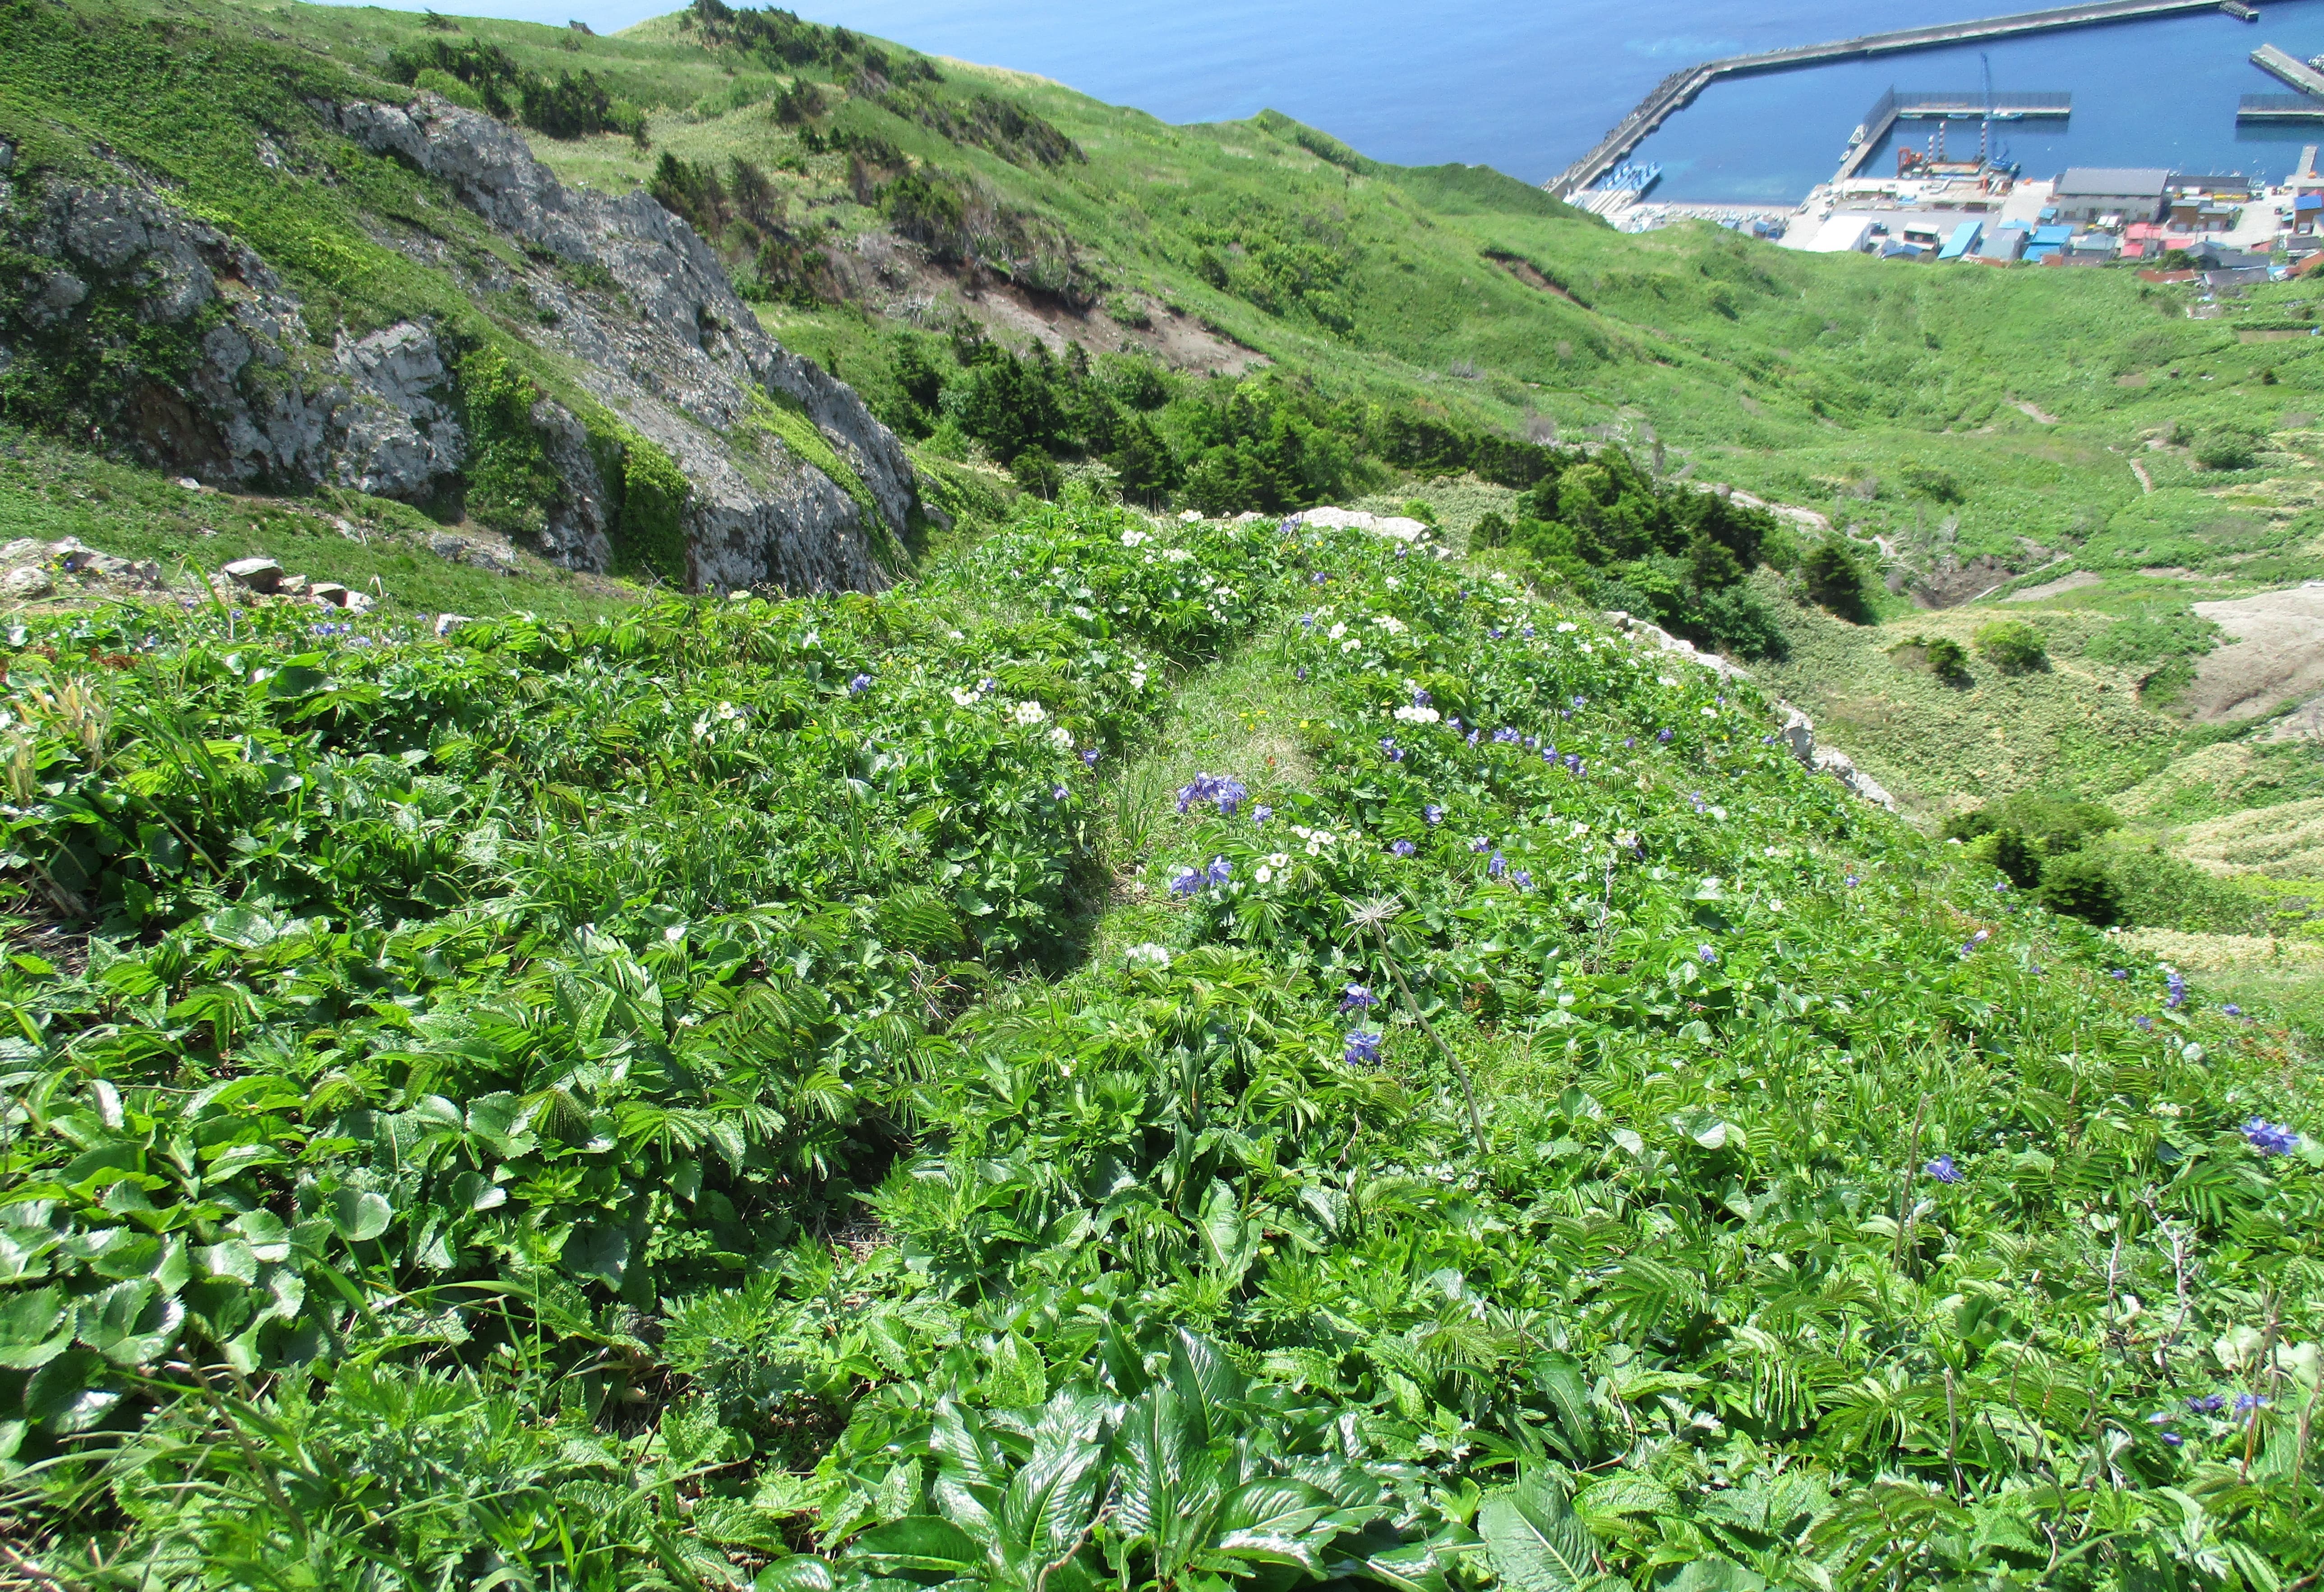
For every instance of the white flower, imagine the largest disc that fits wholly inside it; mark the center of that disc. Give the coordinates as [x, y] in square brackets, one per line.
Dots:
[1393, 583]
[1266, 876]
[1189, 517]
[1175, 555]
[1149, 953]
[1625, 838]
[1350, 646]
[1062, 739]
[1665, 680]
[1565, 625]
[1719, 813]
[1580, 829]
[1029, 713]
[1278, 860]
[1390, 623]
[954, 634]
[1412, 715]
[962, 696]
[1710, 712]
[813, 638]
[1336, 632]
[1135, 538]
[1138, 680]
[1777, 903]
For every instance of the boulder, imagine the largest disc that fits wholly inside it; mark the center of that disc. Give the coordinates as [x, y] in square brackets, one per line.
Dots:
[259, 575]
[26, 582]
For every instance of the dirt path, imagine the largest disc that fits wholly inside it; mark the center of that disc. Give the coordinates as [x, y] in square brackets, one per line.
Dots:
[2277, 654]
[2023, 407]
[2145, 481]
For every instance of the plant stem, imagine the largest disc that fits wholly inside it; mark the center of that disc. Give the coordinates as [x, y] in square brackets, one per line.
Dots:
[1476, 1120]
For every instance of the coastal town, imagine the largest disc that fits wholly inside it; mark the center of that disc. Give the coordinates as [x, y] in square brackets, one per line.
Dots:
[1946, 205]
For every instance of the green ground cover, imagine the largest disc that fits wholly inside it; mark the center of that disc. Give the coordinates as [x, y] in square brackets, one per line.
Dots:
[1151, 1054]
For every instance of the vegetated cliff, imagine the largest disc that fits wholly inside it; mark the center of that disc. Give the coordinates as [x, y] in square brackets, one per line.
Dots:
[630, 414]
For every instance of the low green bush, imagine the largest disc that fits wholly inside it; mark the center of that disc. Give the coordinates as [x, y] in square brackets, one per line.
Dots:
[2012, 646]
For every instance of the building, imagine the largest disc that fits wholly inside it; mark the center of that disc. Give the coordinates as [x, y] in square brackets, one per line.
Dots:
[1840, 235]
[1964, 238]
[2002, 246]
[2130, 193]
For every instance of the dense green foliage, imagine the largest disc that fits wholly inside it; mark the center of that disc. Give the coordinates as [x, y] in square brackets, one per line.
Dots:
[433, 1169]
[2012, 646]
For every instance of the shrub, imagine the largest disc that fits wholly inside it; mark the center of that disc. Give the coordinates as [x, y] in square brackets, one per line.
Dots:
[1940, 656]
[1837, 580]
[509, 483]
[1036, 473]
[2012, 646]
[2080, 886]
[2228, 448]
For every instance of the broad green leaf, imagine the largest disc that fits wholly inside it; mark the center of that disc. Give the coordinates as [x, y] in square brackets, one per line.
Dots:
[1271, 1519]
[359, 1215]
[1532, 1539]
[33, 1329]
[598, 1251]
[926, 1542]
[130, 1323]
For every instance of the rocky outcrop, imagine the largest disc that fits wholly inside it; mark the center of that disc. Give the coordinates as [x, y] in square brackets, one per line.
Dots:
[677, 356]
[231, 382]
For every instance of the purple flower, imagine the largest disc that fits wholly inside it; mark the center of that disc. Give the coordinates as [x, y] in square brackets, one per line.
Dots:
[1390, 750]
[1472, 738]
[1492, 635]
[1306, 621]
[2246, 1402]
[2174, 1438]
[2271, 1138]
[1526, 633]
[1186, 882]
[1363, 1047]
[1403, 847]
[2208, 1405]
[1060, 794]
[1662, 734]
[987, 686]
[1421, 699]
[1227, 794]
[1630, 742]
[2119, 973]
[1300, 673]
[2000, 886]
[1259, 815]
[1852, 881]
[1577, 703]
[1533, 743]
[1433, 813]
[1403, 553]
[1317, 579]
[2232, 1010]
[1089, 757]
[1497, 866]
[2175, 992]
[1943, 1169]
[1522, 880]
[1219, 870]
[2145, 1023]
[1481, 844]
[1356, 997]
[1572, 764]
[859, 685]
[1705, 955]
[1503, 736]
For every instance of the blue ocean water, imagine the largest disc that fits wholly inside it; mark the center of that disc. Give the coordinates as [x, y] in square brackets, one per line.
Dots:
[1528, 87]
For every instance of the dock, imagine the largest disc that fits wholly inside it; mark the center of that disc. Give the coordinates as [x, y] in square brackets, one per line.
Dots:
[2279, 108]
[2290, 68]
[1893, 107]
[1677, 91]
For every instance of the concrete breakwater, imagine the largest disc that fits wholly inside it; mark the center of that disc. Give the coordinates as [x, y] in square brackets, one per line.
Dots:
[1679, 90]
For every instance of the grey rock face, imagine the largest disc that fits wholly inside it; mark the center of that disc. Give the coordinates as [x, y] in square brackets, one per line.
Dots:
[679, 357]
[668, 348]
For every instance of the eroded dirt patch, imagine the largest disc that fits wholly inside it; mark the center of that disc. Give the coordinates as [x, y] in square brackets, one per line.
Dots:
[2277, 655]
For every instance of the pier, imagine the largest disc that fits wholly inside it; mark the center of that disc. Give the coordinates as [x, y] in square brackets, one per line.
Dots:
[2279, 108]
[1893, 107]
[1677, 91]
[2290, 68]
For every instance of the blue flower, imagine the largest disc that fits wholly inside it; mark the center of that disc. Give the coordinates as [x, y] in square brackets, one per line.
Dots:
[1492, 635]
[1503, 736]
[1629, 741]
[1390, 750]
[1943, 1169]
[2271, 1138]
[1481, 844]
[1573, 765]
[1526, 633]
[1577, 703]
[1852, 881]
[1496, 866]
[1403, 847]
[1522, 880]
[1363, 1047]
[1060, 793]
[2246, 1402]
[2174, 1438]
[1259, 815]
[1663, 735]
[1227, 794]
[2232, 1010]
[2175, 992]
[1306, 621]
[1472, 738]
[1317, 579]
[1433, 813]
[1219, 870]
[1706, 955]
[2208, 1405]
[859, 685]
[1186, 882]
[1356, 997]
[1421, 699]
[2145, 1023]
[1089, 757]
[2119, 973]
[2001, 886]
[1300, 673]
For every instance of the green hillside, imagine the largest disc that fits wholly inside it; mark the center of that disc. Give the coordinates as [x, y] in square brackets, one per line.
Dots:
[1116, 1036]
